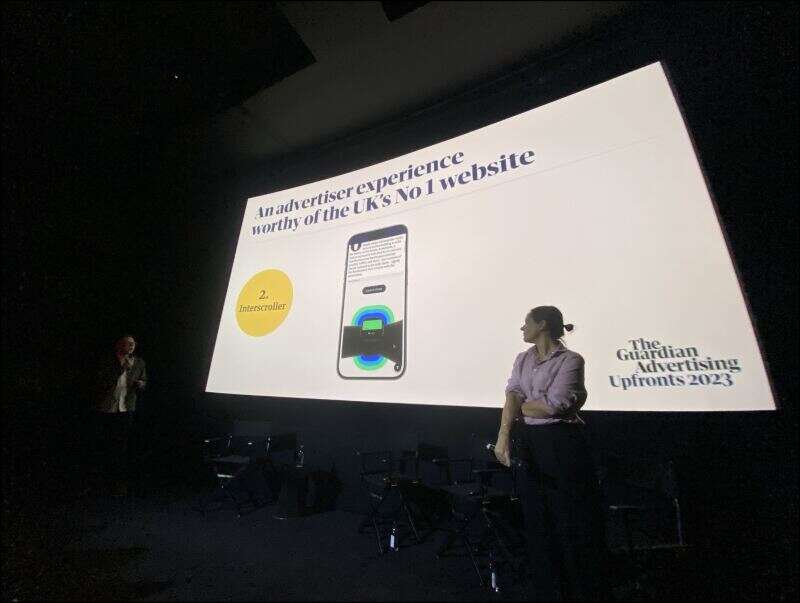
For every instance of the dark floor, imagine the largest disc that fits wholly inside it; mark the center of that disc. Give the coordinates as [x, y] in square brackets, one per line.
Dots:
[65, 537]
[157, 546]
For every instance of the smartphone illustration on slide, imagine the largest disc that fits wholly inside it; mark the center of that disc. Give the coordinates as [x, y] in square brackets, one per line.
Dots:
[372, 330]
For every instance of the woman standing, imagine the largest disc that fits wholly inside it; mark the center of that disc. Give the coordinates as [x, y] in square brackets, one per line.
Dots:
[564, 520]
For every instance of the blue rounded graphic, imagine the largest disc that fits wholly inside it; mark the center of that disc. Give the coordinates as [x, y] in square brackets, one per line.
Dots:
[373, 312]
[378, 312]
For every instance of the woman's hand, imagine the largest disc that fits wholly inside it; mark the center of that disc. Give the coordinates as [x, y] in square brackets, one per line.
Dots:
[536, 409]
[502, 452]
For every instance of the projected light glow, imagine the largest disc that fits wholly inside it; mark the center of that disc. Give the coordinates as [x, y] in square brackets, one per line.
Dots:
[407, 281]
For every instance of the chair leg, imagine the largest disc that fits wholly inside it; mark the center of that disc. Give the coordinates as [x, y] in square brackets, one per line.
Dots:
[628, 536]
[460, 534]
[495, 534]
[447, 544]
[471, 553]
[235, 502]
[371, 520]
[373, 512]
[678, 521]
[500, 545]
[418, 509]
[219, 492]
[457, 533]
[377, 536]
[410, 519]
[403, 513]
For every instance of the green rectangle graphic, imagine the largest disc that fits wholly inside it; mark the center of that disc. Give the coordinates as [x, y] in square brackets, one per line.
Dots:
[372, 325]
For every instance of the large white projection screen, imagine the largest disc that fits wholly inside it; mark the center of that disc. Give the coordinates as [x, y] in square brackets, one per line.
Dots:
[408, 281]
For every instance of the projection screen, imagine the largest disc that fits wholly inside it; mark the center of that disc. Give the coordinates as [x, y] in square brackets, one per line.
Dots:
[407, 281]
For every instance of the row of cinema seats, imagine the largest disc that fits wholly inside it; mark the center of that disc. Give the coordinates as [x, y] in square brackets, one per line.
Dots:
[470, 504]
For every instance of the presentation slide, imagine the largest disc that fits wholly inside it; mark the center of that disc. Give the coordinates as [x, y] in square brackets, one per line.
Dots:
[408, 281]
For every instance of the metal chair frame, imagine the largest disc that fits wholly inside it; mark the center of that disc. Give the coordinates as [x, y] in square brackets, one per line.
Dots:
[387, 483]
[231, 469]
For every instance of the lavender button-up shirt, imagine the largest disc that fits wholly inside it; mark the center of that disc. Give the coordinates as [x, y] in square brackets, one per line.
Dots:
[558, 380]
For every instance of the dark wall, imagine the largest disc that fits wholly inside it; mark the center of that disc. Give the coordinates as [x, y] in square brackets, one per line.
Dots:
[103, 236]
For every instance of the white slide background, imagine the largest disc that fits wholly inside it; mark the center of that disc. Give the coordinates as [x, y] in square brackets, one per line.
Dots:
[612, 223]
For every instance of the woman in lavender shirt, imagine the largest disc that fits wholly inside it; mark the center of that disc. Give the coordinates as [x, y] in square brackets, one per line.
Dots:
[564, 521]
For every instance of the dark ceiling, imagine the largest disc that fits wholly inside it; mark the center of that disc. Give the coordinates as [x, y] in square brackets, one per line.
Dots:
[131, 71]
[253, 80]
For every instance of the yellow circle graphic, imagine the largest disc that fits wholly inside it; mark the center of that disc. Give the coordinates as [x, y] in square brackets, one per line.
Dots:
[264, 302]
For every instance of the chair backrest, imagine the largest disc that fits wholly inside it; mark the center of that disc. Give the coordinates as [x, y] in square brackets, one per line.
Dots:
[247, 445]
[489, 470]
[668, 483]
[648, 487]
[640, 480]
[281, 442]
[256, 429]
[431, 452]
[481, 456]
[248, 438]
[374, 462]
[432, 465]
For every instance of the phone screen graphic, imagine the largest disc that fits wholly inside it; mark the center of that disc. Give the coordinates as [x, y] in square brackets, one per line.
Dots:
[372, 335]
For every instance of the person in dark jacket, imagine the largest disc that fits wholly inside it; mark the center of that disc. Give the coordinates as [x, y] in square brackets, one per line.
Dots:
[122, 376]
